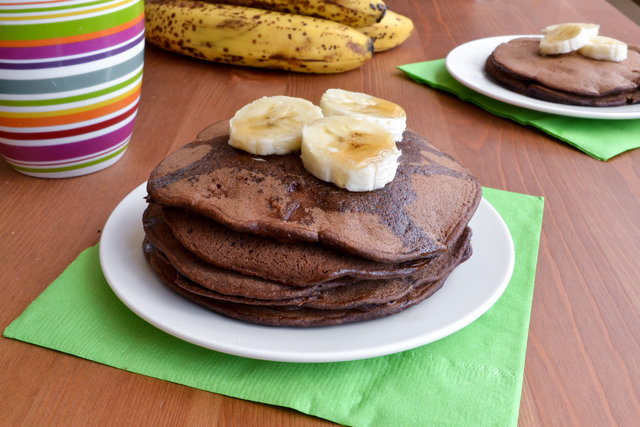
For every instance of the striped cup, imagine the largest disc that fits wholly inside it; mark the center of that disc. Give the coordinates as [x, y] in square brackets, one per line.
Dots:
[70, 78]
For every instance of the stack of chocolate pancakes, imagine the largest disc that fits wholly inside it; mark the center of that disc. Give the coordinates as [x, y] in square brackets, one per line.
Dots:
[257, 238]
[568, 78]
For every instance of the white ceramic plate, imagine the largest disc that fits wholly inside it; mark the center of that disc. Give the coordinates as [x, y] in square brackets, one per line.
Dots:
[466, 64]
[470, 290]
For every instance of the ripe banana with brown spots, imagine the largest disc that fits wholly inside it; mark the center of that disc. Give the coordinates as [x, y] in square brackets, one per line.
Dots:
[393, 30]
[255, 37]
[355, 13]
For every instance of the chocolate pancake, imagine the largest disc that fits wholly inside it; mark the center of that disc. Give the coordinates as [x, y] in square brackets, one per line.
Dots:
[567, 78]
[288, 315]
[354, 295]
[214, 278]
[419, 214]
[228, 285]
[294, 264]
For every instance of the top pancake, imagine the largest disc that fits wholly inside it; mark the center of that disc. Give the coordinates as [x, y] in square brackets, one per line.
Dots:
[570, 73]
[420, 213]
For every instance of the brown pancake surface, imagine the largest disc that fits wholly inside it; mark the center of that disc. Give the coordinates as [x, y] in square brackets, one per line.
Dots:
[295, 263]
[356, 295]
[231, 286]
[420, 213]
[289, 316]
[222, 281]
[568, 78]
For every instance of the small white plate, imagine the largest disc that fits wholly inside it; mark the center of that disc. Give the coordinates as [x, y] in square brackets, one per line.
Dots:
[468, 292]
[466, 64]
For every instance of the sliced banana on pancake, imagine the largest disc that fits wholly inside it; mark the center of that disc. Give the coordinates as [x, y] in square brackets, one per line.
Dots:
[565, 38]
[391, 116]
[350, 152]
[604, 49]
[271, 124]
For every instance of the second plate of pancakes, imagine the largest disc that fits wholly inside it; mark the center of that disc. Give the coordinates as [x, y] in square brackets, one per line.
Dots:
[466, 64]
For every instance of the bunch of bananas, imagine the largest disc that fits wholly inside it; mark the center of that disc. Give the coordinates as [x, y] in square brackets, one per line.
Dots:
[312, 36]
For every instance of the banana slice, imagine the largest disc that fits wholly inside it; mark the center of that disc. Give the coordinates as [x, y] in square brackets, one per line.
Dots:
[604, 49]
[350, 152]
[339, 102]
[565, 38]
[591, 28]
[272, 124]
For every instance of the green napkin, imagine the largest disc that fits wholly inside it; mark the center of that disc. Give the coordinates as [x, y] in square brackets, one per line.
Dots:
[601, 139]
[472, 377]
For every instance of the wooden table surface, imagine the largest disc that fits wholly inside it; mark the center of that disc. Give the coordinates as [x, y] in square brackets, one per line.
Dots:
[582, 363]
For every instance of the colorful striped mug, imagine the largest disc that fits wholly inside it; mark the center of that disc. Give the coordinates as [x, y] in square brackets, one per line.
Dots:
[70, 79]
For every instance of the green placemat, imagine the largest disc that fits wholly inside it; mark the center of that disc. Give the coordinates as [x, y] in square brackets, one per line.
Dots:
[601, 139]
[473, 377]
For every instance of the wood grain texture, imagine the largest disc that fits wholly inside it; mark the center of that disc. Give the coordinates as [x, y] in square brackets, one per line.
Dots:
[582, 365]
